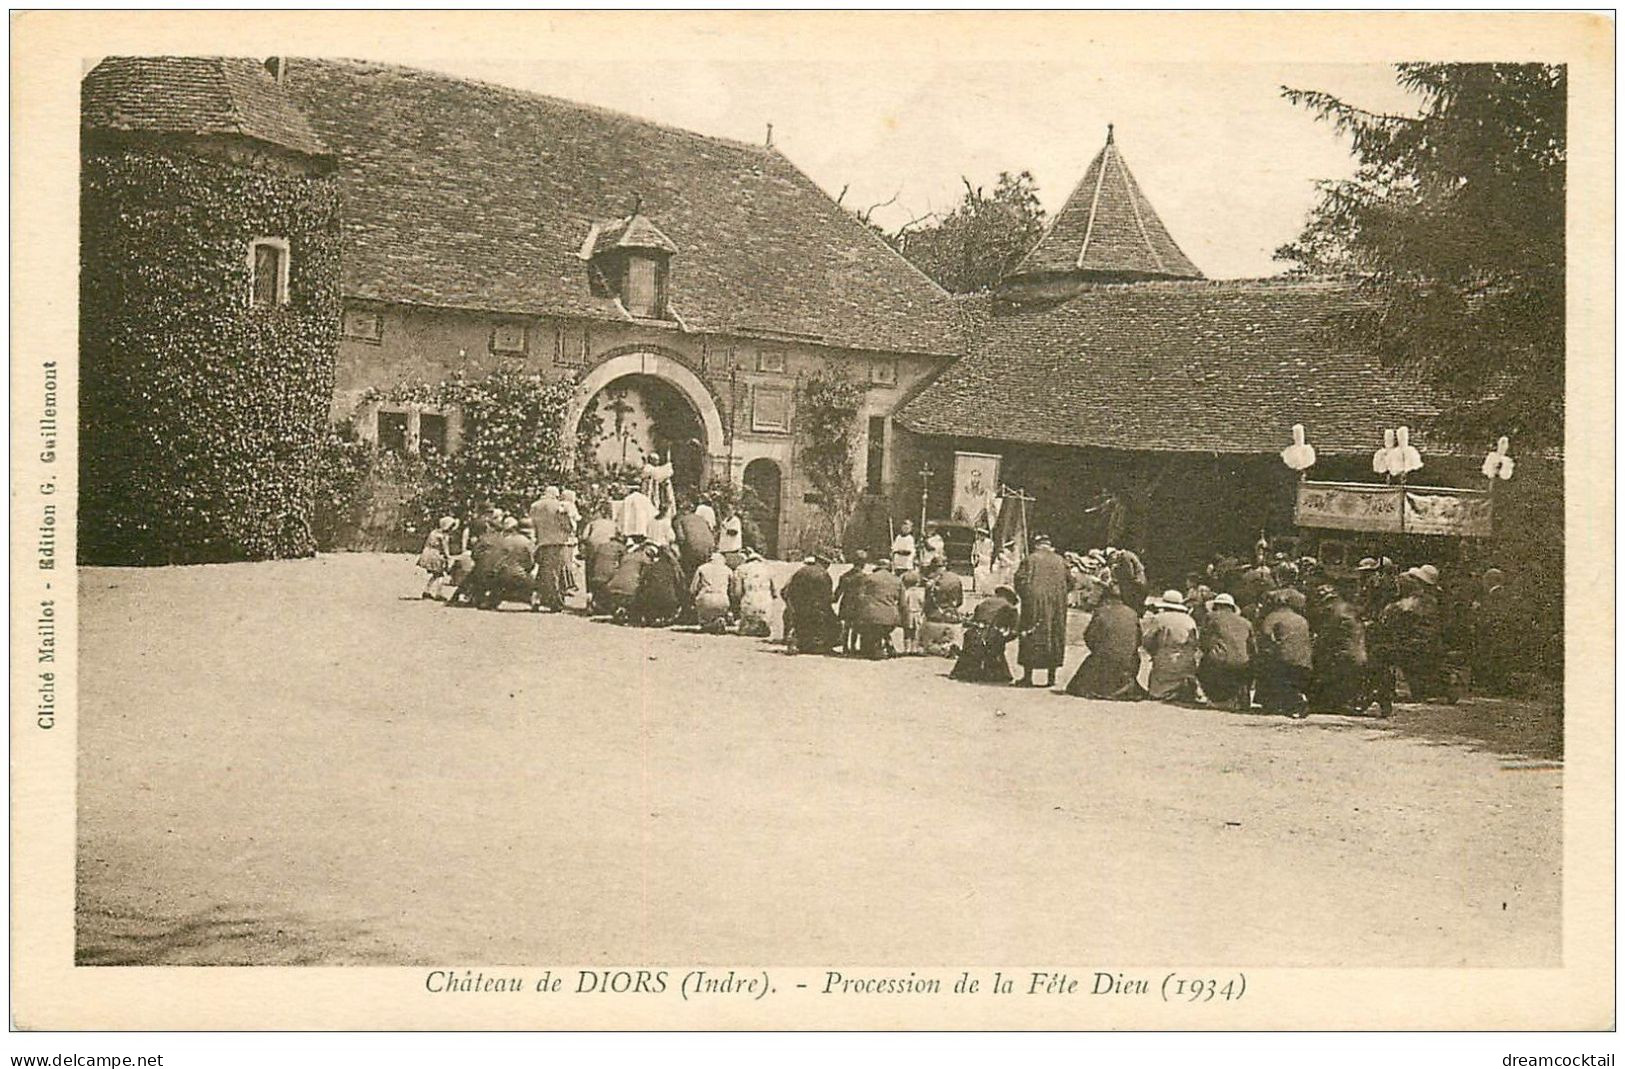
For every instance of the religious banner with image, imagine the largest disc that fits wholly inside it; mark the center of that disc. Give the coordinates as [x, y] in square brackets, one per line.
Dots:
[1447, 511]
[1349, 507]
[1426, 510]
[976, 488]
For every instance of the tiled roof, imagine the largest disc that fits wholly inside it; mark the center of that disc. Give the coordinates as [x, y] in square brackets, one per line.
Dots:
[194, 95]
[1223, 367]
[1107, 227]
[636, 231]
[467, 195]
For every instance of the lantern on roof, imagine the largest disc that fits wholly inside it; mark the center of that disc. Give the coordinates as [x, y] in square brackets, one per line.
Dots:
[1300, 455]
[1497, 465]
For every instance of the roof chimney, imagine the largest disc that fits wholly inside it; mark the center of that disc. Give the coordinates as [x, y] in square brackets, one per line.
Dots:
[277, 67]
[1108, 133]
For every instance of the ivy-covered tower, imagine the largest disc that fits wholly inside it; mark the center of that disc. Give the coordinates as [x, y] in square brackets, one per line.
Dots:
[209, 312]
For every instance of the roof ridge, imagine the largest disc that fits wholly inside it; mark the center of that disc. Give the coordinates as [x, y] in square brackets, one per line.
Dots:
[239, 114]
[850, 219]
[1133, 191]
[531, 94]
[1049, 225]
[1094, 202]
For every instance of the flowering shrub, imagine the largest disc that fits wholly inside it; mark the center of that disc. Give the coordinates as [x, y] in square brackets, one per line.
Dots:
[513, 442]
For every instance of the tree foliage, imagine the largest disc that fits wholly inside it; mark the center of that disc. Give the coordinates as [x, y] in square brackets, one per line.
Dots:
[1454, 223]
[982, 239]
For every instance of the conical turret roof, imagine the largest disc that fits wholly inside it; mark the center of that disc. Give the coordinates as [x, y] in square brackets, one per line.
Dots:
[1107, 229]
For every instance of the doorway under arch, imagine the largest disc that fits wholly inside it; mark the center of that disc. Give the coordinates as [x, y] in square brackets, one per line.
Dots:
[638, 416]
[677, 394]
[763, 479]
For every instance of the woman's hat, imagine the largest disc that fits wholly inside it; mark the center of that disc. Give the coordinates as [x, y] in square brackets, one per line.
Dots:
[1173, 599]
[1428, 574]
[1367, 564]
[1222, 599]
[448, 522]
[1006, 593]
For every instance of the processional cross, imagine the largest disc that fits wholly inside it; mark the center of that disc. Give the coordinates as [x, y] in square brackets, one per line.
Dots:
[620, 407]
[925, 492]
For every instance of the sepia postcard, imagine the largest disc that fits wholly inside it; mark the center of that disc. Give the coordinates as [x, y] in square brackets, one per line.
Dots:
[817, 520]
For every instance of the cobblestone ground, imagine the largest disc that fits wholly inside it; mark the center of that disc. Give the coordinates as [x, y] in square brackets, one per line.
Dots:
[302, 763]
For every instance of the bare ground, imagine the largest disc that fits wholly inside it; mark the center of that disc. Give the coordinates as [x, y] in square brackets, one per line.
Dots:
[301, 763]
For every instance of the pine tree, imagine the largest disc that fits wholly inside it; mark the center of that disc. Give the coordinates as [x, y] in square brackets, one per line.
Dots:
[1454, 223]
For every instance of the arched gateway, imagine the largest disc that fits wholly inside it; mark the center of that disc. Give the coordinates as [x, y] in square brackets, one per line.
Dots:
[645, 401]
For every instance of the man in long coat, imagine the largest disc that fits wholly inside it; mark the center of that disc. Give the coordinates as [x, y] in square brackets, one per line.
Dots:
[808, 598]
[1041, 584]
[550, 516]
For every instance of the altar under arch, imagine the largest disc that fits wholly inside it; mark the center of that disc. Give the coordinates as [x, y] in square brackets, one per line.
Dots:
[636, 405]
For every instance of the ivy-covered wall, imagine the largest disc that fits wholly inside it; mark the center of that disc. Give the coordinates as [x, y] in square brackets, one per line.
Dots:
[201, 418]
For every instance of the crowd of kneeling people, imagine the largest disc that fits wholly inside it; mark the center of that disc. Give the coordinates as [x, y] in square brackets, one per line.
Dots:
[1282, 635]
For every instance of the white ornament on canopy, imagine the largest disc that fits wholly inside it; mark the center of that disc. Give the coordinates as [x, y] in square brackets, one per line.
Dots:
[1300, 455]
[1497, 465]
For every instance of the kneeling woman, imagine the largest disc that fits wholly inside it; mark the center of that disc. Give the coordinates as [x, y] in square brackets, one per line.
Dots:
[991, 627]
[1113, 664]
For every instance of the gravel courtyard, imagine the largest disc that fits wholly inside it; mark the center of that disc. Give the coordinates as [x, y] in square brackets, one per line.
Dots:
[302, 763]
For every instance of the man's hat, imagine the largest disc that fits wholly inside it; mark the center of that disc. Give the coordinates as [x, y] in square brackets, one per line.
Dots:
[1429, 574]
[1367, 564]
[1042, 540]
[1222, 599]
[1173, 598]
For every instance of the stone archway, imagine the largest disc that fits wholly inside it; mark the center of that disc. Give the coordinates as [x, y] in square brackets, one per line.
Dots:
[669, 372]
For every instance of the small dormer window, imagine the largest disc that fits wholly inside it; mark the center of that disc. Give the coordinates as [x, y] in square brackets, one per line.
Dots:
[630, 260]
[645, 292]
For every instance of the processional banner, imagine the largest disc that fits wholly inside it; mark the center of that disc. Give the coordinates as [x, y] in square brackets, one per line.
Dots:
[1379, 509]
[976, 487]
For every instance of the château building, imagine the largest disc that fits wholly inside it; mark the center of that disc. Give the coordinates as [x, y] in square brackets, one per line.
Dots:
[388, 226]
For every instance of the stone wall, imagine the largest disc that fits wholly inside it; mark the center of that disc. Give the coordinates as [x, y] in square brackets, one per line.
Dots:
[746, 386]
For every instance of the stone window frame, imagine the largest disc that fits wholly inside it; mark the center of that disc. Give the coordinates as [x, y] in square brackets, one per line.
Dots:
[767, 358]
[414, 413]
[376, 337]
[757, 424]
[883, 371]
[284, 265]
[524, 337]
